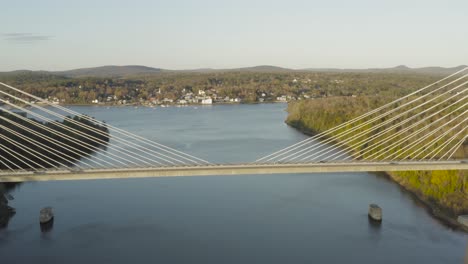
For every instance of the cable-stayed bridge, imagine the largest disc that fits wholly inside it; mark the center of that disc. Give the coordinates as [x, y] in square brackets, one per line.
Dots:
[424, 130]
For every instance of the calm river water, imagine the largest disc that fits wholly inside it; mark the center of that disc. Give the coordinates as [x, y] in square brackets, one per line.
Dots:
[302, 218]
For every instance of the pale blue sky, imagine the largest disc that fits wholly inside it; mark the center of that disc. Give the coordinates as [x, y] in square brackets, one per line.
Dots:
[185, 34]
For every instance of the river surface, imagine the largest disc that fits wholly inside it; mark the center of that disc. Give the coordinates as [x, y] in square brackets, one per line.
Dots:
[297, 218]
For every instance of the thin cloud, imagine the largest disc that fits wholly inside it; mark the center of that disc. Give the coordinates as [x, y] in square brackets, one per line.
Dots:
[25, 37]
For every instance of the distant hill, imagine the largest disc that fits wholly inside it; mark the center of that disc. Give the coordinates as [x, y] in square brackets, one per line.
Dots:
[439, 70]
[263, 68]
[109, 71]
[397, 69]
[132, 70]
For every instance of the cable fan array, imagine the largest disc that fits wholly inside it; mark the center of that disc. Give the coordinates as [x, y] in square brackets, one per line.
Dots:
[75, 143]
[427, 124]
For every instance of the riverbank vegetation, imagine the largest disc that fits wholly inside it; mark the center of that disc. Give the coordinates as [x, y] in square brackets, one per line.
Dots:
[443, 190]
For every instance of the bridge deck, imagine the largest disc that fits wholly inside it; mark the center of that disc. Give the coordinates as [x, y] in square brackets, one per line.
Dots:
[237, 169]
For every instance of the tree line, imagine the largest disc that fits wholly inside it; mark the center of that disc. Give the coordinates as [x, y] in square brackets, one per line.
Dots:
[248, 86]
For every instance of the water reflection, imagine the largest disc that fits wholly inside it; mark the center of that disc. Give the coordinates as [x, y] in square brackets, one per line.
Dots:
[47, 227]
[374, 230]
[374, 226]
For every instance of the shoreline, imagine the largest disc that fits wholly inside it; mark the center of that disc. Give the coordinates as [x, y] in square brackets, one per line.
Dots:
[439, 213]
[166, 105]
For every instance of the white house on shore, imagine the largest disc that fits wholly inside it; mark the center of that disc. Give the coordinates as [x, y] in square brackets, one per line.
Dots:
[207, 100]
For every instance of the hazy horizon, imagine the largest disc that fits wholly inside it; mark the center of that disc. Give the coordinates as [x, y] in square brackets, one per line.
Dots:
[244, 67]
[186, 34]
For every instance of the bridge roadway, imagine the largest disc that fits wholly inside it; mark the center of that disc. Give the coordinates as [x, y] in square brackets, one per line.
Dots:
[226, 169]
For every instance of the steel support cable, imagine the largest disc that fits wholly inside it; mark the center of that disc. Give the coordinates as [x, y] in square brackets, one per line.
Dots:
[346, 132]
[77, 132]
[364, 132]
[5, 164]
[455, 148]
[162, 147]
[44, 147]
[408, 147]
[14, 155]
[125, 142]
[390, 147]
[385, 131]
[422, 149]
[65, 136]
[437, 149]
[396, 143]
[447, 142]
[92, 138]
[31, 151]
[389, 129]
[11, 162]
[354, 120]
[18, 147]
[55, 142]
[39, 145]
[320, 135]
[439, 81]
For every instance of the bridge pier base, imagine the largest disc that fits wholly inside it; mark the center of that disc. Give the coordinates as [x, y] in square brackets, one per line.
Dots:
[375, 212]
